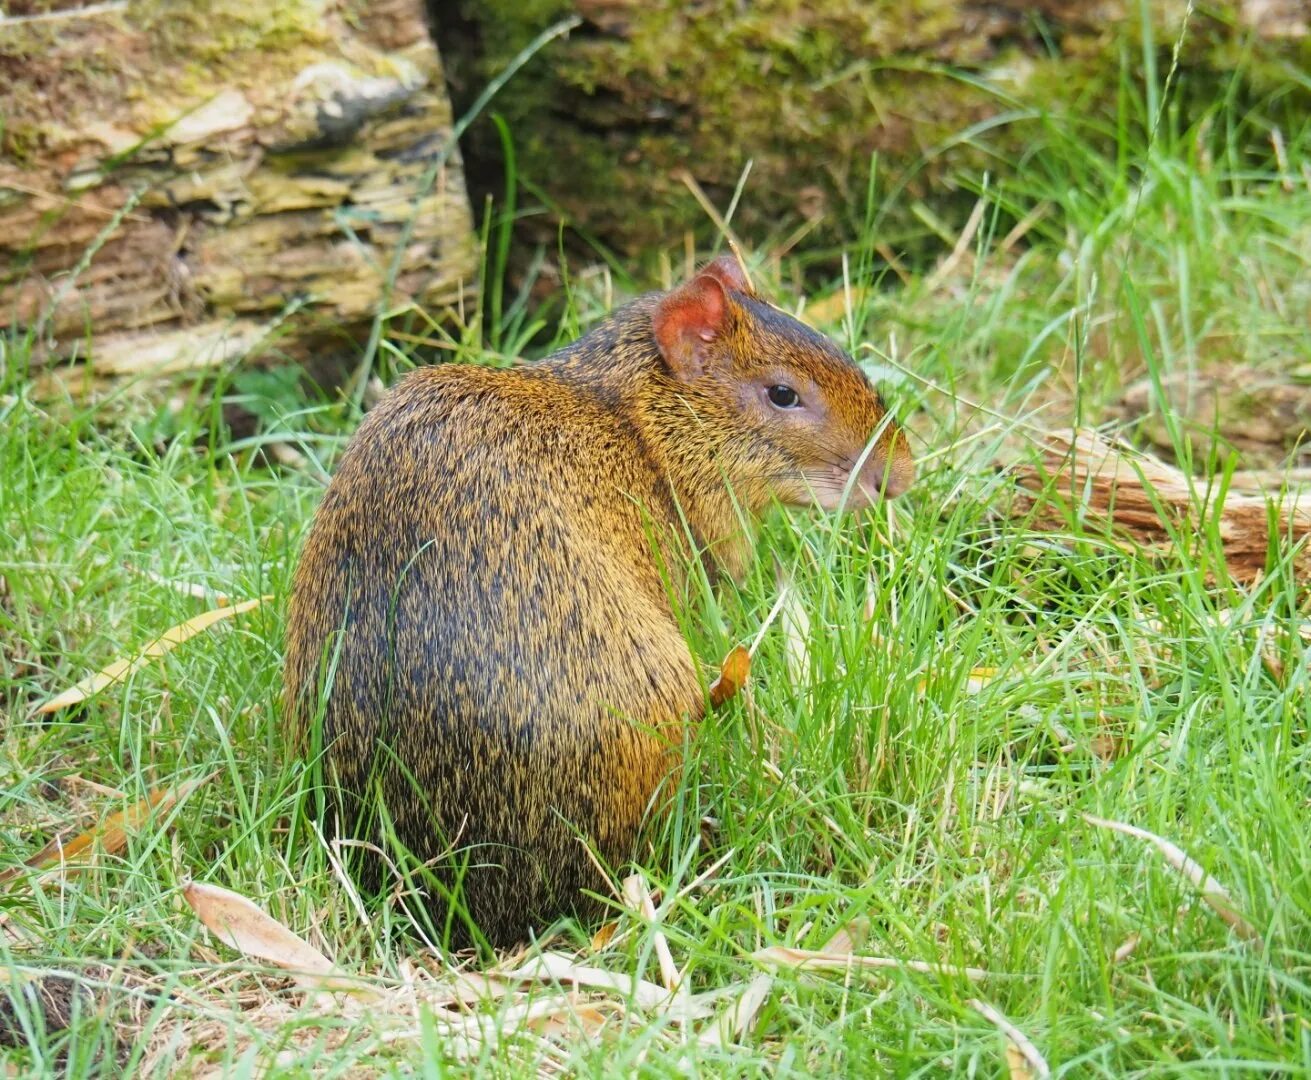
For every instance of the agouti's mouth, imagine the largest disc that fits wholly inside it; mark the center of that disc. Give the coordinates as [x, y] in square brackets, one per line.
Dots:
[837, 489]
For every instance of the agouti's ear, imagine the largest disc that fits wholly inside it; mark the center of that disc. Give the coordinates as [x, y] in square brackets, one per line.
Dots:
[728, 272]
[687, 323]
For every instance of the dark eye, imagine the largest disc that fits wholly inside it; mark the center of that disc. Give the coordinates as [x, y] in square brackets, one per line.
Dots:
[783, 397]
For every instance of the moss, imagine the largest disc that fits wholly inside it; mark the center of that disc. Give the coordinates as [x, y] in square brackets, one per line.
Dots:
[807, 91]
[219, 31]
[160, 56]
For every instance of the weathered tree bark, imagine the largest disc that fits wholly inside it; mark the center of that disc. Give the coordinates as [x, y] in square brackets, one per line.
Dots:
[808, 90]
[1138, 499]
[181, 183]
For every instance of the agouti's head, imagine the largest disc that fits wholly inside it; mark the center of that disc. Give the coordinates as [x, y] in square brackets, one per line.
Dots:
[812, 427]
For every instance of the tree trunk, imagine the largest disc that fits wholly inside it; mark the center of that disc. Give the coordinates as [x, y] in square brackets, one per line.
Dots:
[182, 183]
[608, 122]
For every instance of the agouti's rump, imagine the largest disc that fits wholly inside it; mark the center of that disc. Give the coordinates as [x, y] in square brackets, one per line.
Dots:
[503, 677]
[481, 616]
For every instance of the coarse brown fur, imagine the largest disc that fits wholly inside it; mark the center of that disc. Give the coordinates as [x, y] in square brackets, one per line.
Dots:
[482, 616]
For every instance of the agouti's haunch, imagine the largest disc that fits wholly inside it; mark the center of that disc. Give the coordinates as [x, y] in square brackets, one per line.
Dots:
[481, 615]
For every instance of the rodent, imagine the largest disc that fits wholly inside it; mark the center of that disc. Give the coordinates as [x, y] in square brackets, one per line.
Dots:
[481, 614]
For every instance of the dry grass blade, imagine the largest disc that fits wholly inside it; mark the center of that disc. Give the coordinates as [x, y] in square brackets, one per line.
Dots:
[166, 642]
[712, 212]
[1022, 1057]
[638, 897]
[250, 930]
[1213, 893]
[733, 674]
[557, 968]
[959, 250]
[812, 960]
[108, 837]
[188, 588]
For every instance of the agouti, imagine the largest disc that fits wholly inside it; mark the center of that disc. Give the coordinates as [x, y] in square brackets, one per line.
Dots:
[481, 618]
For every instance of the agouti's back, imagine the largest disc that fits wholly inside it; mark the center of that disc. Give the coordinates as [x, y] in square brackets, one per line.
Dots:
[481, 612]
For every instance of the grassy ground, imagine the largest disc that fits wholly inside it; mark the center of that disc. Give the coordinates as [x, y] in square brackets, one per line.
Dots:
[947, 693]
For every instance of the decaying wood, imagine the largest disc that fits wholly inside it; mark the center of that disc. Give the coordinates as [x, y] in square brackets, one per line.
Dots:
[1261, 416]
[222, 165]
[1142, 500]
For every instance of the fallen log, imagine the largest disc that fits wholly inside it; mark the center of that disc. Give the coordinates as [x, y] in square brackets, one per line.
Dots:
[1139, 500]
[178, 181]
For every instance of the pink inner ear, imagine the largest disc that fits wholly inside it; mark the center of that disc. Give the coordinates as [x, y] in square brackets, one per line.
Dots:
[687, 320]
[728, 272]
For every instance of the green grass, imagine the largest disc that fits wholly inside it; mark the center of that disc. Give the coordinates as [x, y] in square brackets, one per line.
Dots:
[867, 784]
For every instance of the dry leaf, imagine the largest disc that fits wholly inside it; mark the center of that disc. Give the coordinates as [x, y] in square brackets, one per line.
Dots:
[473, 1033]
[975, 681]
[811, 960]
[244, 926]
[832, 308]
[1213, 893]
[1017, 1066]
[849, 939]
[738, 1018]
[109, 835]
[733, 673]
[120, 669]
[571, 1017]
[978, 678]
[1126, 948]
[1022, 1057]
[1108, 747]
[603, 935]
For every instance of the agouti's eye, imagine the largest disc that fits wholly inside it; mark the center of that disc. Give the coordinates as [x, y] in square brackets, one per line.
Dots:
[783, 397]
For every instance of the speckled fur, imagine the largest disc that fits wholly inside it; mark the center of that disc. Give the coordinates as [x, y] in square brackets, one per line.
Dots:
[484, 578]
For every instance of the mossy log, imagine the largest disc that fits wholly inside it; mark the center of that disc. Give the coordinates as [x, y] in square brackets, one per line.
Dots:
[807, 91]
[182, 183]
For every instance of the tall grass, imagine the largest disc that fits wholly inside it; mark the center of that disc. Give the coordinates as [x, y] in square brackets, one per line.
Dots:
[946, 692]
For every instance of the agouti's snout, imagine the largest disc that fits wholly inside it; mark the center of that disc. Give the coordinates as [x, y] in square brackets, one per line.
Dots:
[886, 470]
[481, 614]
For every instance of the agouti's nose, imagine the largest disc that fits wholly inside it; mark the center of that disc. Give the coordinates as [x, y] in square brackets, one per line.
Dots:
[889, 478]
